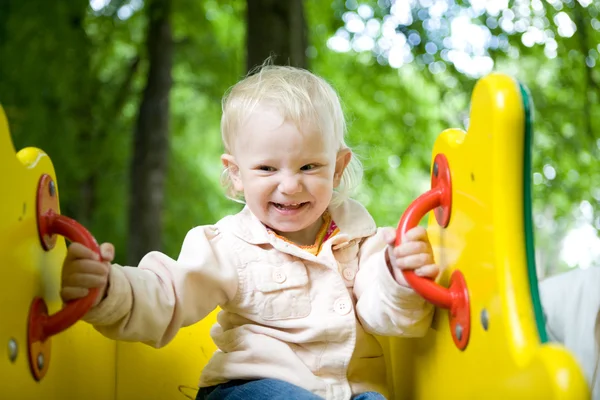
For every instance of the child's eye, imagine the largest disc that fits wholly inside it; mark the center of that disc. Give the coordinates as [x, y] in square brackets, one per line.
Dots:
[308, 167]
[265, 168]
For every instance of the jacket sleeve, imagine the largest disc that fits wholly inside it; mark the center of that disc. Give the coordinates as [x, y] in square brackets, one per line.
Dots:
[385, 307]
[151, 302]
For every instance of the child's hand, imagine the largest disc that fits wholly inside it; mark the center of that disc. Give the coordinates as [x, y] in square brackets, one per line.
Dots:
[414, 253]
[83, 270]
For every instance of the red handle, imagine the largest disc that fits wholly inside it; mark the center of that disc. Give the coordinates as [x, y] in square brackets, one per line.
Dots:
[428, 289]
[456, 297]
[73, 311]
[42, 326]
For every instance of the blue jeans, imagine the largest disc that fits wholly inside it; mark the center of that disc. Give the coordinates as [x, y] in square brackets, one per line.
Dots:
[266, 389]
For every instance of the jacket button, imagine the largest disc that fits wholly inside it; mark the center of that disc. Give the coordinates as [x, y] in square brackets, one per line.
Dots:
[279, 276]
[349, 274]
[342, 306]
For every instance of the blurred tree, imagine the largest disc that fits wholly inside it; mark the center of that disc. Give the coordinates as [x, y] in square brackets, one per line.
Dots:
[276, 28]
[151, 138]
[210, 57]
[42, 101]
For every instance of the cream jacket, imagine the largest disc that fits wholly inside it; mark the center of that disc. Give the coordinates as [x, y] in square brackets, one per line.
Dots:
[286, 314]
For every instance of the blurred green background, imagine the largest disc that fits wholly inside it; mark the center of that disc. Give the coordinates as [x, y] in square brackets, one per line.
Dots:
[124, 95]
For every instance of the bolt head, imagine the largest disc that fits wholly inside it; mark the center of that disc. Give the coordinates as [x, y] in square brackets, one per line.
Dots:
[458, 330]
[13, 350]
[40, 361]
[485, 319]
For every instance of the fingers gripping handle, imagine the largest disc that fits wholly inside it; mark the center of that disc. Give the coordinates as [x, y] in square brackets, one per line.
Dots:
[456, 297]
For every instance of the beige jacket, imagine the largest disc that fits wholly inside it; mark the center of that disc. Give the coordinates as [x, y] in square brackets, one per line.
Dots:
[286, 314]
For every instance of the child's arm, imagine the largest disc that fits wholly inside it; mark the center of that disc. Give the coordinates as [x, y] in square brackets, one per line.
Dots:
[386, 304]
[151, 302]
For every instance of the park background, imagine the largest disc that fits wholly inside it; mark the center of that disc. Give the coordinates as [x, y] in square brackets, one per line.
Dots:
[124, 95]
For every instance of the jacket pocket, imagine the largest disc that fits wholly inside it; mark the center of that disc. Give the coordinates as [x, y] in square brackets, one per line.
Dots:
[282, 290]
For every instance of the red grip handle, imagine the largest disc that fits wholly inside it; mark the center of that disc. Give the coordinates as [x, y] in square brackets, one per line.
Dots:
[56, 224]
[456, 297]
[428, 289]
[42, 326]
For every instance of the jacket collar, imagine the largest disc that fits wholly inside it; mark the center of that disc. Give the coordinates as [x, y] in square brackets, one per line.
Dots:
[352, 219]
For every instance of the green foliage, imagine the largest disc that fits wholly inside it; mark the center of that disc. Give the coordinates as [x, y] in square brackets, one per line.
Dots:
[549, 46]
[35, 82]
[75, 91]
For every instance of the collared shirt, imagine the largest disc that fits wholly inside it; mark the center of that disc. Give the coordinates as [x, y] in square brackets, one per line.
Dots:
[328, 229]
[286, 313]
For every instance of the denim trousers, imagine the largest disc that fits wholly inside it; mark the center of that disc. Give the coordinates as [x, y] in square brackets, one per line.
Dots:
[266, 389]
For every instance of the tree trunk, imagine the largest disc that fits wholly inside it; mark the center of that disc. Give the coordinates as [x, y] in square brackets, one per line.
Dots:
[278, 28]
[98, 131]
[589, 83]
[151, 138]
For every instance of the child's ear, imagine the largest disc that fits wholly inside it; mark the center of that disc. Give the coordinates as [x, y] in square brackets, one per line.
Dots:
[233, 170]
[343, 158]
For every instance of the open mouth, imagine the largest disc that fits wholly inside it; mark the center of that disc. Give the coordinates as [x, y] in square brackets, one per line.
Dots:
[289, 206]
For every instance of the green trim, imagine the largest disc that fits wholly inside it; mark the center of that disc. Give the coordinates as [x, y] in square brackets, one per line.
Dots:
[528, 217]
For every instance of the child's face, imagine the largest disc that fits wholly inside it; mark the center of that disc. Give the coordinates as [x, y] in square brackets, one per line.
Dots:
[287, 174]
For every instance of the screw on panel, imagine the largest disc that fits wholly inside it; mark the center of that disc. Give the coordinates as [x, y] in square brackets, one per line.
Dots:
[52, 188]
[485, 319]
[435, 169]
[40, 361]
[458, 330]
[13, 349]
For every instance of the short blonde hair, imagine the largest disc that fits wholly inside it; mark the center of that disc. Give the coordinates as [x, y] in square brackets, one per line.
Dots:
[300, 96]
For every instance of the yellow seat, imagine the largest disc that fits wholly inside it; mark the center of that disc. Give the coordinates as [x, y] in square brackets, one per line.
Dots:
[81, 363]
[488, 239]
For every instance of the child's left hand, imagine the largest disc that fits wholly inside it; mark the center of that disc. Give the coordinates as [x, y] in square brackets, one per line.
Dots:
[414, 253]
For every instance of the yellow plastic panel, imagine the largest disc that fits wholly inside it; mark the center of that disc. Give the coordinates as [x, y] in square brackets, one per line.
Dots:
[485, 239]
[82, 362]
[171, 372]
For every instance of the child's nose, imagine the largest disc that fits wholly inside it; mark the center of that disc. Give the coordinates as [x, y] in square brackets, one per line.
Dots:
[290, 184]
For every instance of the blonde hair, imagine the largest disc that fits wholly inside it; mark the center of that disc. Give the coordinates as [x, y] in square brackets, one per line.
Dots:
[300, 96]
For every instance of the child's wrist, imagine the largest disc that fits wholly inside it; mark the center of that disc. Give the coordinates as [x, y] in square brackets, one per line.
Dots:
[103, 294]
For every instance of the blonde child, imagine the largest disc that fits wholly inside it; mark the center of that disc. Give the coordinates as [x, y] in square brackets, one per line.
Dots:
[302, 275]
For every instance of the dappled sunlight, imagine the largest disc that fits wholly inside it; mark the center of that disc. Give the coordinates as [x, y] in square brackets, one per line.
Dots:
[98, 5]
[455, 32]
[443, 36]
[124, 12]
[581, 247]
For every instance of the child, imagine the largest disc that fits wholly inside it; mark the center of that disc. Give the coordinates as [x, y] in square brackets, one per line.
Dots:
[571, 303]
[302, 275]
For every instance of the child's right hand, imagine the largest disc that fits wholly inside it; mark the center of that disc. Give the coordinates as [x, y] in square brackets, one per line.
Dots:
[83, 270]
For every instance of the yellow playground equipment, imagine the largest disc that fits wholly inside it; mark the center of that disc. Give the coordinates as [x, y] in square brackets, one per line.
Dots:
[487, 339]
